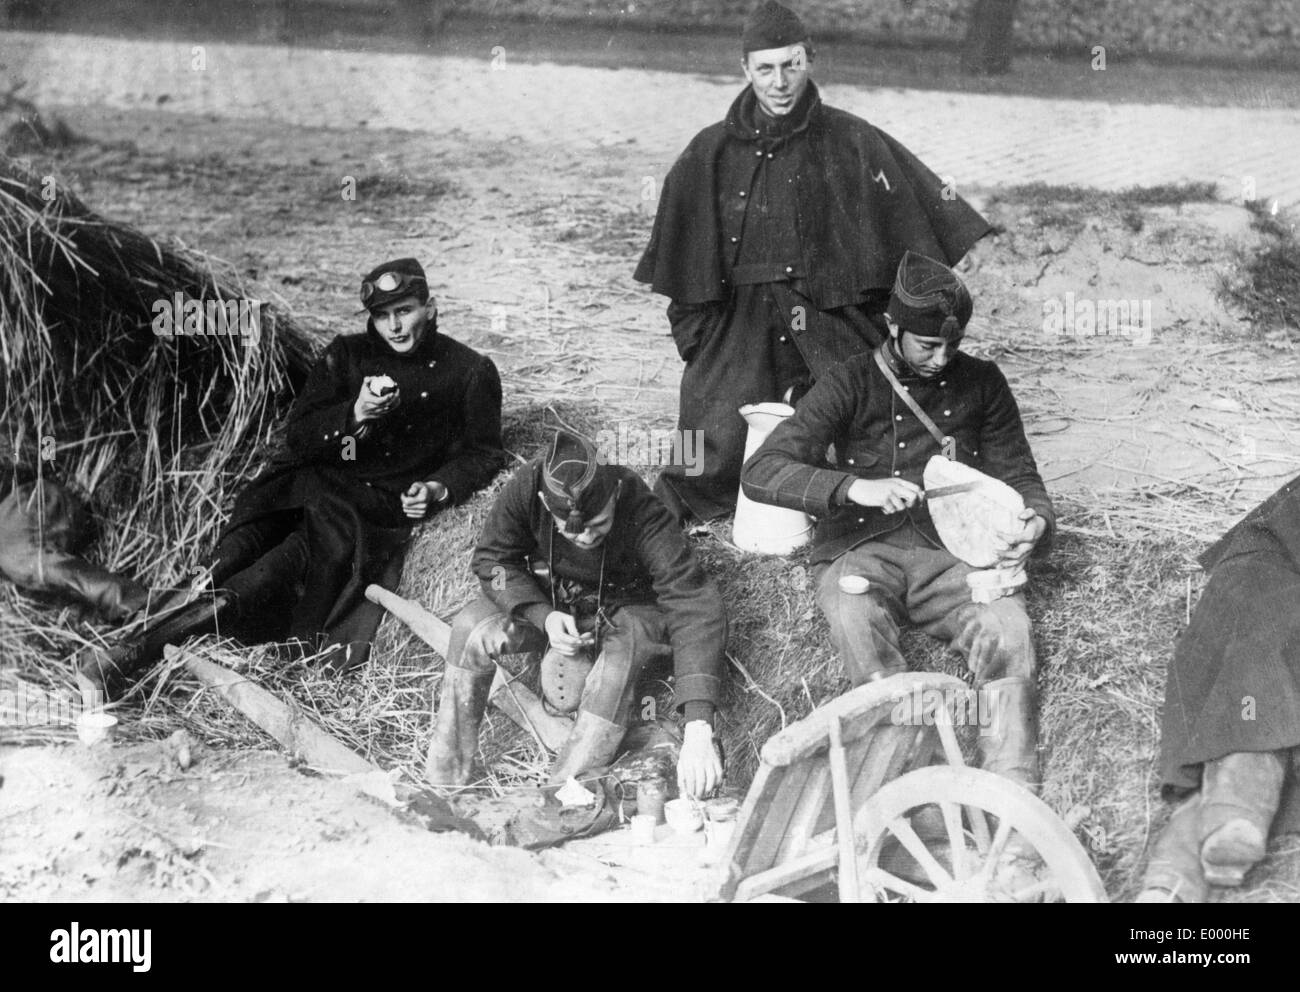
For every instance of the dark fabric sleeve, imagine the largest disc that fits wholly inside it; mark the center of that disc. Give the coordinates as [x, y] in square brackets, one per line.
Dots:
[322, 414]
[1007, 455]
[500, 560]
[478, 454]
[697, 618]
[785, 471]
[691, 324]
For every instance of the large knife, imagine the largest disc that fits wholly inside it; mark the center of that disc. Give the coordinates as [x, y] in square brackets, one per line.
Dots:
[961, 487]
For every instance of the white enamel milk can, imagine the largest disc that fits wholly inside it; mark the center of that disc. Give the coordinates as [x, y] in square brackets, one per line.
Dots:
[769, 530]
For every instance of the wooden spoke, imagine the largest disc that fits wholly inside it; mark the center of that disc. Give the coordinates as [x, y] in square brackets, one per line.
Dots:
[956, 839]
[914, 846]
[878, 878]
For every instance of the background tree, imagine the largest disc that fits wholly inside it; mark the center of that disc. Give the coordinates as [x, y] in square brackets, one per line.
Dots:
[987, 48]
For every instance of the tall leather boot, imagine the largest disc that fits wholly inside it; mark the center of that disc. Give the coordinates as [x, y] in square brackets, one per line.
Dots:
[1174, 870]
[1239, 797]
[592, 743]
[461, 704]
[1008, 744]
[110, 672]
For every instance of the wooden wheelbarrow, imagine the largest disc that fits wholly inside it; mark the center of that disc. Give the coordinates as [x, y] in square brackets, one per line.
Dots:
[875, 779]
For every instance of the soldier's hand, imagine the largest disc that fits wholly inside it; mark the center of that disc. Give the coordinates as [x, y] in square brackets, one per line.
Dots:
[368, 406]
[891, 495]
[699, 769]
[1015, 546]
[562, 632]
[415, 501]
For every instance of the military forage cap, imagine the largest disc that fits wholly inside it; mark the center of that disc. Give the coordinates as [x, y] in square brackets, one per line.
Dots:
[772, 26]
[575, 484]
[929, 299]
[393, 280]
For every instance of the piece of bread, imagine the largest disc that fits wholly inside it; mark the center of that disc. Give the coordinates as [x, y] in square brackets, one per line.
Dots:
[968, 523]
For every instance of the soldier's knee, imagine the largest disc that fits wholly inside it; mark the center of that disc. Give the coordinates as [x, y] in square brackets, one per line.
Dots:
[478, 637]
[997, 640]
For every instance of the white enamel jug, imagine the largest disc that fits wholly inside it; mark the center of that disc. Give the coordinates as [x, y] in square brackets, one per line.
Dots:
[769, 530]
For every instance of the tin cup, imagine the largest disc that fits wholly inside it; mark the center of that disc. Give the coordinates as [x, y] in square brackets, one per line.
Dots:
[96, 728]
[650, 796]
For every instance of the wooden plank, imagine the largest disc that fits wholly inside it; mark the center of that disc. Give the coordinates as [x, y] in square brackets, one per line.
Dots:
[859, 711]
[787, 873]
[521, 704]
[296, 733]
[845, 839]
[434, 632]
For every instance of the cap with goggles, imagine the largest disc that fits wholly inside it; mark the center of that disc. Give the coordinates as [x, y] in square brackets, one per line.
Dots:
[393, 281]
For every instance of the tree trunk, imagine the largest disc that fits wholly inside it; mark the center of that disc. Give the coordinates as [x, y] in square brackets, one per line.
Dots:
[987, 48]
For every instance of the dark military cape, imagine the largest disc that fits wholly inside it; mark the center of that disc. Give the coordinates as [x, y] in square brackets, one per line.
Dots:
[870, 201]
[1234, 684]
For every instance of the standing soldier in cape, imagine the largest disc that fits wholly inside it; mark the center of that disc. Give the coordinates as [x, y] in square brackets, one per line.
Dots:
[777, 237]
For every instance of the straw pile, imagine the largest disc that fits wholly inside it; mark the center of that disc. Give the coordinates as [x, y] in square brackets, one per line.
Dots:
[156, 428]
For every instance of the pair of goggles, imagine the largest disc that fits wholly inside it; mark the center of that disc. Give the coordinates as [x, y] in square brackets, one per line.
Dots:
[390, 282]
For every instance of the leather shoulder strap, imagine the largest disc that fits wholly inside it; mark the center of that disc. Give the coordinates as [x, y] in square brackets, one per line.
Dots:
[947, 443]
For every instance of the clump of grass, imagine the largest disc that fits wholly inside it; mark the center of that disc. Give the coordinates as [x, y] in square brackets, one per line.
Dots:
[1161, 195]
[1266, 283]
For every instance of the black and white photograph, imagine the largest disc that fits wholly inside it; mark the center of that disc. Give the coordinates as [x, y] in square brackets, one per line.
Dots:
[651, 451]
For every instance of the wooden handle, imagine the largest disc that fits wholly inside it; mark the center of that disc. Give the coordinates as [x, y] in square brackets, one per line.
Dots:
[421, 622]
[289, 726]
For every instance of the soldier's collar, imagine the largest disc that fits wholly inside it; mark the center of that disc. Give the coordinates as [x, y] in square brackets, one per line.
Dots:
[745, 118]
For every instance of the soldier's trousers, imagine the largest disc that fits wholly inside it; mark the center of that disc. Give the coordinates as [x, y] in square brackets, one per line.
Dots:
[636, 637]
[913, 581]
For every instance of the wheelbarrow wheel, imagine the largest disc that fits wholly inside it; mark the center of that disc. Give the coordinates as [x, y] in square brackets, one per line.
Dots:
[995, 842]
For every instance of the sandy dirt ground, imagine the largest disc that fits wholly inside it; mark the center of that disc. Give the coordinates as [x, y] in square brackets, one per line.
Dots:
[530, 223]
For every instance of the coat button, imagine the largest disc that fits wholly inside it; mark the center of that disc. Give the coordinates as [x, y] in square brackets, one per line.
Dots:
[897, 472]
[902, 444]
[944, 383]
[947, 413]
[424, 395]
[898, 416]
[742, 192]
[759, 154]
[769, 154]
[735, 240]
[789, 269]
[862, 520]
[851, 461]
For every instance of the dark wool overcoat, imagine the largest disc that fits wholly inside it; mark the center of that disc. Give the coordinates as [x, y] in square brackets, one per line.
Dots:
[344, 485]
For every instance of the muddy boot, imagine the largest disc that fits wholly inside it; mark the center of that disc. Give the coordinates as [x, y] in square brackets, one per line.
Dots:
[1239, 797]
[1174, 870]
[461, 704]
[110, 673]
[591, 744]
[1008, 744]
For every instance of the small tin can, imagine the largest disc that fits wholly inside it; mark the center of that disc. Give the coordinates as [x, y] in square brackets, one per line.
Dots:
[650, 796]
